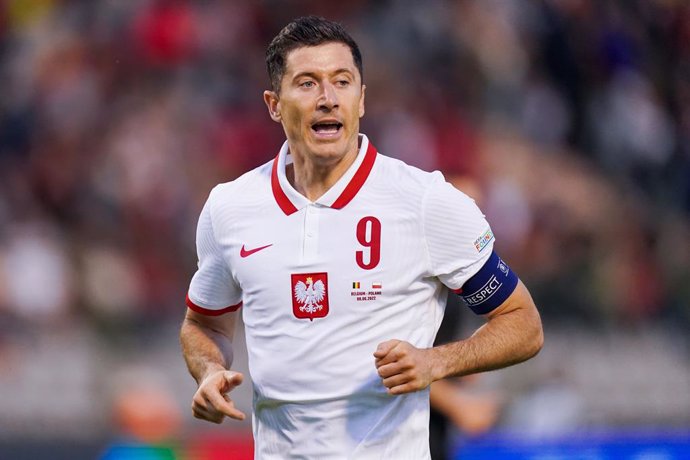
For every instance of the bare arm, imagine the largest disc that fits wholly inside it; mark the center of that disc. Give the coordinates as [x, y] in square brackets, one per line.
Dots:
[207, 349]
[512, 334]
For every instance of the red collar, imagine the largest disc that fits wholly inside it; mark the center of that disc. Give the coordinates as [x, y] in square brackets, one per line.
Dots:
[342, 192]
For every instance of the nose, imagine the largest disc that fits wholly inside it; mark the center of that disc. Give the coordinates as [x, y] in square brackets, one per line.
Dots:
[328, 99]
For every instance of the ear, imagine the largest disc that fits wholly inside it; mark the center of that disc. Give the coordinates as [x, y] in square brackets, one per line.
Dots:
[273, 104]
[361, 101]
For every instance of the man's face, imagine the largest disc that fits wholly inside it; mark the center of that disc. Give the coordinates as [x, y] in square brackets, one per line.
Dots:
[320, 103]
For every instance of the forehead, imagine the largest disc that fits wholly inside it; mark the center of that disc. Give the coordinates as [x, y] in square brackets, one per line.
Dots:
[325, 58]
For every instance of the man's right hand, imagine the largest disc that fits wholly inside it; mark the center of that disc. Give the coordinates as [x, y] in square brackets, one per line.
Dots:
[212, 402]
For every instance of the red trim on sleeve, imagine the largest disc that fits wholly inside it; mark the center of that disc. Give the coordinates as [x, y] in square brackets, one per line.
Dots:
[209, 312]
[280, 196]
[358, 179]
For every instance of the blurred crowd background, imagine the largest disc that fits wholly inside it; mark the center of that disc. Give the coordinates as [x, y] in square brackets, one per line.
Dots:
[567, 120]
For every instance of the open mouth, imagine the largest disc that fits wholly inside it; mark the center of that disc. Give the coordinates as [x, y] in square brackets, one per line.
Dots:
[327, 127]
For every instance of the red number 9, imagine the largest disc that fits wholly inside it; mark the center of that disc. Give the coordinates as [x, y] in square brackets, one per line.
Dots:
[369, 236]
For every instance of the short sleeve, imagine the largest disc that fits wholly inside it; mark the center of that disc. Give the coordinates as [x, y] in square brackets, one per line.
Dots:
[459, 239]
[212, 290]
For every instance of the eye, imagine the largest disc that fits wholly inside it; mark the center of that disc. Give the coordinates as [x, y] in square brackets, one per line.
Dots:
[307, 84]
[342, 83]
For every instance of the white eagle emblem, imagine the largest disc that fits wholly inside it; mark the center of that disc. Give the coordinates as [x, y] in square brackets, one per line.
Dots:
[310, 294]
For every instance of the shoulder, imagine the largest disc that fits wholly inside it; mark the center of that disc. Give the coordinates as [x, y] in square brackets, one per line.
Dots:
[248, 185]
[407, 179]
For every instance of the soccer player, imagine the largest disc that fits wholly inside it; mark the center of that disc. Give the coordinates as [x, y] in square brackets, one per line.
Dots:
[340, 260]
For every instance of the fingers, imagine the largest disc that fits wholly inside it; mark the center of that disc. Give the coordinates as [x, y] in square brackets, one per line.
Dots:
[402, 367]
[205, 409]
[233, 379]
[400, 379]
[223, 404]
[404, 383]
[388, 352]
[384, 348]
[211, 401]
[394, 351]
[203, 412]
[409, 387]
[396, 380]
[391, 356]
[391, 369]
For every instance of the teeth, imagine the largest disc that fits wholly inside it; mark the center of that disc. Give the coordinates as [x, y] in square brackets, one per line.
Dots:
[327, 127]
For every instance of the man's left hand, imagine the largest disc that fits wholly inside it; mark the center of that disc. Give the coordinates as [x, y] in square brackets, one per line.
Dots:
[403, 367]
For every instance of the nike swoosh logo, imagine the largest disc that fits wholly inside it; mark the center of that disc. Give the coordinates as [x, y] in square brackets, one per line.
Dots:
[248, 252]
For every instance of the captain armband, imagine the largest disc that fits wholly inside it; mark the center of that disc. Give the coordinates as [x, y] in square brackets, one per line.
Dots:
[490, 286]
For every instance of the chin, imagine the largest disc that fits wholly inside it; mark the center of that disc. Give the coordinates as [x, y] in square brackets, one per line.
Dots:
[327, 155]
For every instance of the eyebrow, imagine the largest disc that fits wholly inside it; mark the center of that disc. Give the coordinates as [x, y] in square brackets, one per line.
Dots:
[314, 74]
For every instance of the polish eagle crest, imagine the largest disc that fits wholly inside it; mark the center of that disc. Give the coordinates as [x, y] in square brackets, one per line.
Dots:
[310, 294]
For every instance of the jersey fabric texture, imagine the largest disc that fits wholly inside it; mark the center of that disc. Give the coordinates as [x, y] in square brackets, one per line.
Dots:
[321, 284]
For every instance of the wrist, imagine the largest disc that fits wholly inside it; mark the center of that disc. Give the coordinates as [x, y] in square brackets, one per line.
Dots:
[437, 369]
[211, 368]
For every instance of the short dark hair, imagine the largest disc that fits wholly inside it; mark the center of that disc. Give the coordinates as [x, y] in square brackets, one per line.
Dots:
[306, 31]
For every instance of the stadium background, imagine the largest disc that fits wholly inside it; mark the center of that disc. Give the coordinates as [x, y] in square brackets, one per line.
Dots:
[567, 120]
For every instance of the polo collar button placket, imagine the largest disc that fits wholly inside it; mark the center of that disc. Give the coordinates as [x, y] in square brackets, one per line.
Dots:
[311, 231]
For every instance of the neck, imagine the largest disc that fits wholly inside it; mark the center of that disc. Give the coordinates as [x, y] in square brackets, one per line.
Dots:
[313, 177]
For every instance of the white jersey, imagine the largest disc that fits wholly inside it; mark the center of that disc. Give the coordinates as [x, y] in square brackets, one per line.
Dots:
[322, 283]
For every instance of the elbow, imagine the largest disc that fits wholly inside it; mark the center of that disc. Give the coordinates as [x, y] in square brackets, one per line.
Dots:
[536, 338]
[538, 342]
